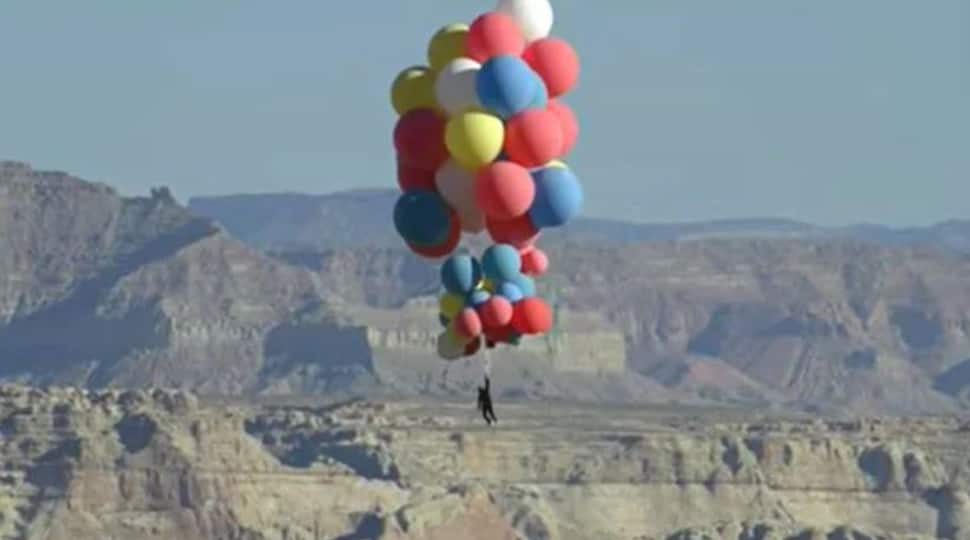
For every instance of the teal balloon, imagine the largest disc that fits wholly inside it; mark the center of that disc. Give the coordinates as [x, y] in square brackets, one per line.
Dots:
[501, 262]
[506, 85]
[460, 274]
[558, 198]
[525, 284]
[422, 218]
[514, 339]
[445, 321]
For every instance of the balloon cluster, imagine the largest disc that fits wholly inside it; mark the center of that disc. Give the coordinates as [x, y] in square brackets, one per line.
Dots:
[480, 140]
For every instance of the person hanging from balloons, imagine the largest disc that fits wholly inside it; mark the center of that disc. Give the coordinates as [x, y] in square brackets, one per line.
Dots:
[479, 143]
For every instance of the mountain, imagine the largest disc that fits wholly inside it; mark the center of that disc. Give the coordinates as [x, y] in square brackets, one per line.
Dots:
[100, 290]
[292, 221]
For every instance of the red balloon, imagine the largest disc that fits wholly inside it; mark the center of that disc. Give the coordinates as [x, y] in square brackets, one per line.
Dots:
[412, 178]
[468, 324]
[568, 124]
[504, 190]
[496, 312]
[493, 34]
[473, 347]
[533, 137]
[446, 247]
[419, 138]
[518, 232]
[498, 335]
[532, 316]
[535, 262]
[556, 63]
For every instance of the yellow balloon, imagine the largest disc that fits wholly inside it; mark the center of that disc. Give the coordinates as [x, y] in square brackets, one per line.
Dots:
[487, 285]
[557, 164]
[413, 89]
[450, 304]
[474, 138]
[446, 45]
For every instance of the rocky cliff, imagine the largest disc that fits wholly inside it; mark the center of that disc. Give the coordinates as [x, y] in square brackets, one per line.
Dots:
[159, 464]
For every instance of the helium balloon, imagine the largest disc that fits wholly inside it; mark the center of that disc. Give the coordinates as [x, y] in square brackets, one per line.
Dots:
[446, 45]
[558, 197]
[510, 291]
[455, 86]
[419, 138]
[456, 186]
[533, 17]
[501, 262]
[474, 138]
[541, 99]
[568, 124]
[449, 348]
[534, 262]
[488, 285]
[413, 89]
[556, 63]
[493, 34]
[445, 321]
[422, 218]
[525, 284]
[499, 334]
[504, 190]
[449, 304]
[444, 248]
[514, 338]
[532, 316]
[477, 298]
[467, 324]
[460, 274]
[411, 178]
[533, 137]
[472, 220]
[556, 164]
[496, 312]
[472, 348]
[519, 232]
[506, 85]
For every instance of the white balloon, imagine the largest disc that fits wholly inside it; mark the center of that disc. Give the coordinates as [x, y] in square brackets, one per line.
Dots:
[455, 86]
[472, 220]
[456, 186]
[448, 348]
[534, 16]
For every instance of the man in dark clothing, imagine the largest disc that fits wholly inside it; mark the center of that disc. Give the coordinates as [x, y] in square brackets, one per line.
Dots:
[485, 403]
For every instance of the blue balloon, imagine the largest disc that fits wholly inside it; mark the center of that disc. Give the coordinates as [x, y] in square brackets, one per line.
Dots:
[501, 262]
[510, 291]
[477, 298]
[506, 85]
[525, 284]
[422, 218]
[558, 199]
[460, 274]
[541, 99]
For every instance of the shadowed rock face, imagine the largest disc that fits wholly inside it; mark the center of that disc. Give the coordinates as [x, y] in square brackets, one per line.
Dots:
[158, 464]
[101, 290]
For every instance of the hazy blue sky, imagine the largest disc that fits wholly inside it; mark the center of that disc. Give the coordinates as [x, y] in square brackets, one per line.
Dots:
[832, 111]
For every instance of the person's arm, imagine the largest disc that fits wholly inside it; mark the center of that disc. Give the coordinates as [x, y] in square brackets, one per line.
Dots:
[487, 383]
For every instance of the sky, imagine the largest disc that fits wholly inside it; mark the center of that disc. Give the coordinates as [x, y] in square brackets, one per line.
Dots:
[828, 111]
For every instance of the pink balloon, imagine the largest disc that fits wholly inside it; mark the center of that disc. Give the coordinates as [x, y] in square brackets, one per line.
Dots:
[534, 137]
[468, 324]
[493, 34]
[504, 190]
[532, 316]
[556, 63]
[535, 262]
[495, 313]
[567, 123]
